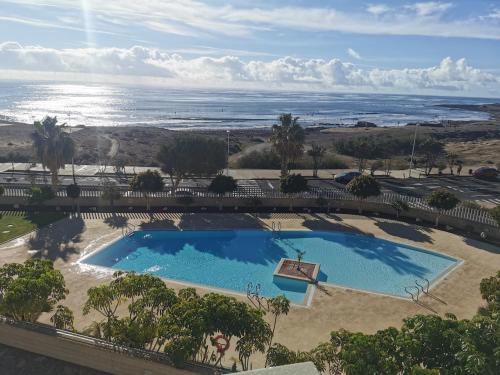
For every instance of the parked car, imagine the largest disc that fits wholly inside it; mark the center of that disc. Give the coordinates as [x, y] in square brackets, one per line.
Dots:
[346, 177]
[486, 173]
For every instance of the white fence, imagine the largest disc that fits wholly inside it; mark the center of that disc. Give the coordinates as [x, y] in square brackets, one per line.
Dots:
[461, 212]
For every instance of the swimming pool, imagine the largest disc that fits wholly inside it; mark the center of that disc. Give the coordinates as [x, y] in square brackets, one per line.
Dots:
[232, 259]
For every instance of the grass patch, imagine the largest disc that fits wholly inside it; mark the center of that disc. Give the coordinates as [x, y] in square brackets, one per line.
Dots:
[14, 224]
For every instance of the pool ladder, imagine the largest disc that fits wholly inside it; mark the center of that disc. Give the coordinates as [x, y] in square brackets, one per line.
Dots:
[276, 226]
[128, 229]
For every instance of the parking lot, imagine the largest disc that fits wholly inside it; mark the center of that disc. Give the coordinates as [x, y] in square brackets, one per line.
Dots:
[465, 187]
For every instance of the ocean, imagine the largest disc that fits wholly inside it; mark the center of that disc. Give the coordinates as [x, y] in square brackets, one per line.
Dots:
[113, 105]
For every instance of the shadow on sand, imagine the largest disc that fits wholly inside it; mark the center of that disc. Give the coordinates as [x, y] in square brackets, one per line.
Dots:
[405, 231]
[57, 241]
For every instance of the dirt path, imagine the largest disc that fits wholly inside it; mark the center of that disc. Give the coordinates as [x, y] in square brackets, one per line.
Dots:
[115, 146]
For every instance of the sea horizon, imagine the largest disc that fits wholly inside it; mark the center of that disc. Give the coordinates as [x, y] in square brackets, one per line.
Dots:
[111, 104]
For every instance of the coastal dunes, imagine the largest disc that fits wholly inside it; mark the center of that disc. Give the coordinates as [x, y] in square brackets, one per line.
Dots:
[476, 142]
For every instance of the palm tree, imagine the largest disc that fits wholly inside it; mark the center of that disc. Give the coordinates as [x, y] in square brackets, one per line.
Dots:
[288, 140]
[52, 145]
[316, 153]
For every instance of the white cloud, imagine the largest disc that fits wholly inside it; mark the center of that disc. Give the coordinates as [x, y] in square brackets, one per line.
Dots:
[430, 8]
[231, 71]
[353, 54]
[195, 17]
[378, 9]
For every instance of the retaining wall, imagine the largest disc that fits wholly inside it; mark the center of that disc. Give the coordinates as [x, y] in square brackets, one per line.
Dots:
[83, 350]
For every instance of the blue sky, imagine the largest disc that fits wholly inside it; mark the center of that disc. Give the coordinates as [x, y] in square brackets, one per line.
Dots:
[450, 47]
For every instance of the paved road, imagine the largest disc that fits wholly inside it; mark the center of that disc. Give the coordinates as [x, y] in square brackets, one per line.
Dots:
[465, 187]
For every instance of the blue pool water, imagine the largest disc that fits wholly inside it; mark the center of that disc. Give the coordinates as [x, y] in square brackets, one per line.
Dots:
[232, 259]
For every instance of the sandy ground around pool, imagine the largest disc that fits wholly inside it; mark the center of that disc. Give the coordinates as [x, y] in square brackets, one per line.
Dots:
[332, 308]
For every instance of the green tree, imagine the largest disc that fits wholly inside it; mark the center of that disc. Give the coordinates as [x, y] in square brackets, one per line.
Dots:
[442, 200]
[191, 155]
[361, 148]
[431, 150]
[399, 206]
[255, 337]
[363, 187]
[316, 152]
[147, 182]
[288, 141]
[110, 192]
[280, 355]
[119, 163]
[53, 146]
[73, 191]
[222, 184]
[29, 289]
[63, 318]
[40, 194]
[278, 306]
[367, 354]
[294, 183]
[451, 159]
[417, 370]
[375, 166]
[327, 359]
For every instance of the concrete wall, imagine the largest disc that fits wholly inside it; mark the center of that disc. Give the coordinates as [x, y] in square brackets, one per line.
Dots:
[85, 354]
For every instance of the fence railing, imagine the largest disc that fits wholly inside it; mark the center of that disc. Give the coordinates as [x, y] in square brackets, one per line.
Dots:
[97, 343]
[462, 212]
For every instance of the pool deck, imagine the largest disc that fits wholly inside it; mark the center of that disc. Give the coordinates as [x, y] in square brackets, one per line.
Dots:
[332, 307]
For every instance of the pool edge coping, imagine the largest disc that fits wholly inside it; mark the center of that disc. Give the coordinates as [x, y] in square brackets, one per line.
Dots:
[308, 297]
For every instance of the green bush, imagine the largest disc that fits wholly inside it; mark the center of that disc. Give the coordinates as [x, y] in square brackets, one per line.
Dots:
[442, 199]
[185, 200]
[73, 191]
[495, 213]
[363, 187]
[40, 194]
[471, 204]
[329, 161]
[294, 183]
[222, 184]
[259, 160]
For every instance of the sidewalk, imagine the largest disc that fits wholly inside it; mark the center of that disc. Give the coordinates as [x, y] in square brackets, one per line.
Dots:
[239, 174]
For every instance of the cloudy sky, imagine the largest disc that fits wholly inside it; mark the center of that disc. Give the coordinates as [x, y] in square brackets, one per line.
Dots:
[436, 47]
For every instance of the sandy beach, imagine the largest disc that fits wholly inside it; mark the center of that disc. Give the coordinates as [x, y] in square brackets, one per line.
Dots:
[476, 142]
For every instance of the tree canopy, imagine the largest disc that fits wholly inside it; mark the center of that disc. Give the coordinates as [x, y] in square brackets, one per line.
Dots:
[52, 145]
[40, 194]
[73, 191]
[363, 187]
[425, 344]
[147, 182]
[442, 199]
[288, 141]
[316, 152]
[29, 289]
[110, 192]
[182, 325]
[222, 184]
[191, 155]
[430, 150]
[294, 183]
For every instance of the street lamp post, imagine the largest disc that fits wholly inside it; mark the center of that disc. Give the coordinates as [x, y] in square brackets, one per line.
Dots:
[413, 149]
[227, 161]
